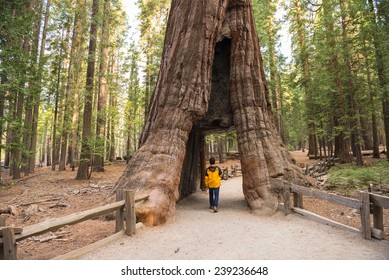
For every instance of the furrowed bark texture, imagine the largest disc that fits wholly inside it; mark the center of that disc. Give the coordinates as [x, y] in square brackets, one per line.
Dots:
[180, 102]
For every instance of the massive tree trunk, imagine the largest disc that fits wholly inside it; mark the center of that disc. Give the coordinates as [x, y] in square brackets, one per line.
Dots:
[187, 101]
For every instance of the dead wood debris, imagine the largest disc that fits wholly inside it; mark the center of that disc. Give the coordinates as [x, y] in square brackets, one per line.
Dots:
[27, 178]
[91, 188]
[4, 210]
[58, 236]
[40, 201]
[31, 211]
[59, 205]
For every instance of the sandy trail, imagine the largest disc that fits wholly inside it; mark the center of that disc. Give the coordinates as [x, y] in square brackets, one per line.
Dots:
[196, 233]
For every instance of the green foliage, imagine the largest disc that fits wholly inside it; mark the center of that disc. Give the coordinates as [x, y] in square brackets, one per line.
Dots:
[350, 176]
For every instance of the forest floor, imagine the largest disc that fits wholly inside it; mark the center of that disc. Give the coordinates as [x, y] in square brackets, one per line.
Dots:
[48, 194]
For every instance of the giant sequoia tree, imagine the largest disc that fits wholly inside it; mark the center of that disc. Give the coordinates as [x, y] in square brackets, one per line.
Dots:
[211, 79]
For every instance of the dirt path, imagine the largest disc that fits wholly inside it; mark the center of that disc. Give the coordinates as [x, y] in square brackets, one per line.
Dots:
[236, 233]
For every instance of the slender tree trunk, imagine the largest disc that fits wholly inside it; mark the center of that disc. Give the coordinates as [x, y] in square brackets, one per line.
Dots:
[73, 72]
[374, 126]
[3, 80]
[55, 151]
[85, 159]
[33, 97]
[7, 157]
[44, 146]
[303, 57]
[274, 83]
[16, 151]
[36, 101]
[98, 163]
[381, 52]
[48, 154]
[355, 131]
[220, 149]
[112, 154]
[180, 103]
[114, 68]
[338, 102]
[78, 54]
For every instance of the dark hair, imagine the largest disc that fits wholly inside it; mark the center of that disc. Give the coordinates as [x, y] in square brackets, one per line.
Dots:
[212, 160]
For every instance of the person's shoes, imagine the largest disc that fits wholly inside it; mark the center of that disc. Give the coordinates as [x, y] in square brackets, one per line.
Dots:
[215, 209]
[211, 207]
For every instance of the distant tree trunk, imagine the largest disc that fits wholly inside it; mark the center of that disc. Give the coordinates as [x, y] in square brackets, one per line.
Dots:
[36, 102]
[65, 98]
[71, 93]
[3, 79]
[3, 93]
[221, 149]
[340, 118]
[78, 55]
[182, 95]
[112, 140]
[75, 128]
[366, 133]
[374, 126]
[29, 152]
[303, 57]
[83, 169]
[55, 151]
[48, 154]
[16, 134]
[356, 127]
[7, 157]
[275, 83]
[379, 14]
[44, 145]
[98, 163]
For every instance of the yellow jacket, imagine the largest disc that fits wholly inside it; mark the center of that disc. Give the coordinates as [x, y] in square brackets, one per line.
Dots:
[213, 175]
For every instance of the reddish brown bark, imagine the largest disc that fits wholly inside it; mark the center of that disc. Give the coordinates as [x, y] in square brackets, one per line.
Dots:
[180, 108]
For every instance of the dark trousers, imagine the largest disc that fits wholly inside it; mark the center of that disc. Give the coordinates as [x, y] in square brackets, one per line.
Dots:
[214, 196]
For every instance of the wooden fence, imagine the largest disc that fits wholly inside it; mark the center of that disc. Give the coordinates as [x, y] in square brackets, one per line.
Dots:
[125, 220]
[366, 204]
[124, 206]
[319, 168]
[233, 172]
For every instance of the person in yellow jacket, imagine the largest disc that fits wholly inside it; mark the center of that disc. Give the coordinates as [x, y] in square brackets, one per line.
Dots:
[213, 175]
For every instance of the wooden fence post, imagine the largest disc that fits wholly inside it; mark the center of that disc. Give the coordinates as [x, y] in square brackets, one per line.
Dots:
[287, 208]
[298, 200]
[9, 243]
[365, 215]
[378, 217]
[120, 212]
[130, 212]
[3, 223]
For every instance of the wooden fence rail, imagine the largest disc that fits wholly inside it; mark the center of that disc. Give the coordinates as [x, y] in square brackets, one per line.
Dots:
[367, 204]
[125, 213]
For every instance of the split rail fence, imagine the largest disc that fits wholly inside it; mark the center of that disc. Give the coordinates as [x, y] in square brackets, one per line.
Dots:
[366, 204]
[125, 221]
[233, 172]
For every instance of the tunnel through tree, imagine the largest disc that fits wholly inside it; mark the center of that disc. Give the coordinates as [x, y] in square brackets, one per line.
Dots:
[211, 80]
